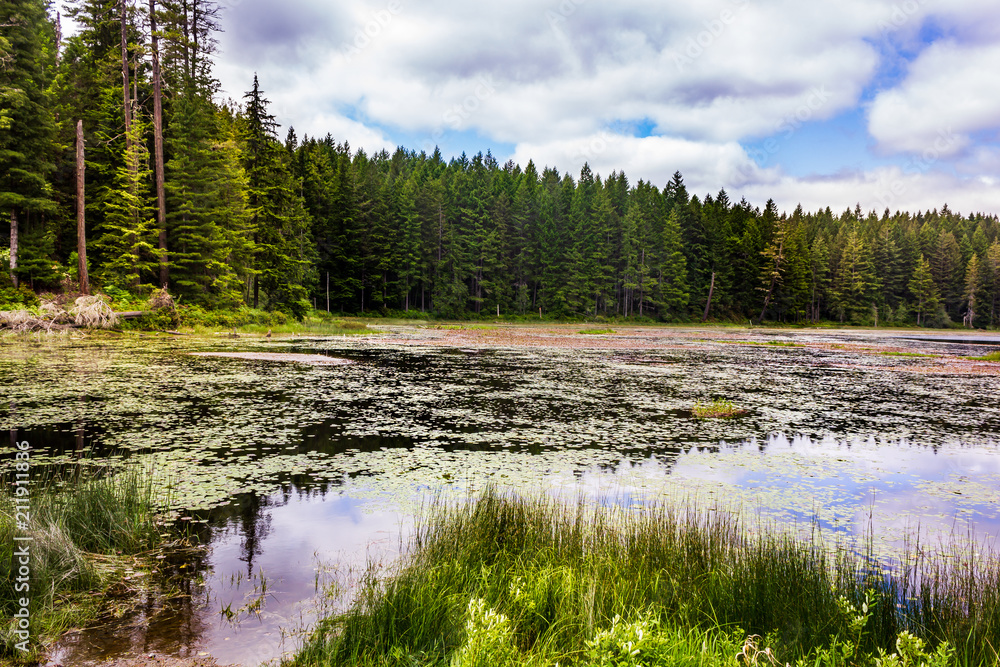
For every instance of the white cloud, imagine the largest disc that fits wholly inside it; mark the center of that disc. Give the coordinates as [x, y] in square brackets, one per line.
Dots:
[878, 189]
[951, 91]
[720, 71]
[557, 79]
[708, 167]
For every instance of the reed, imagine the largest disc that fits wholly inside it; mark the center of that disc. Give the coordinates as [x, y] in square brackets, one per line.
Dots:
[506, 580]
[78, 529]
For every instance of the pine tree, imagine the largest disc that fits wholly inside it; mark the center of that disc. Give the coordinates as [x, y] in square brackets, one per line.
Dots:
[279, 222]
[924, 290]
[128, 234]
[990, 281]
[672, 279]
[774, 264]
[819, 269]
[207, 218]
[972, 290]
[946, 267]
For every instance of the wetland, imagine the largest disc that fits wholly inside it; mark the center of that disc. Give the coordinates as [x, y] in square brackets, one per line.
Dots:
[293, 462]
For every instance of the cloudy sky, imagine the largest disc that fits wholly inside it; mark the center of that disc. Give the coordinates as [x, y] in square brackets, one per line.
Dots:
[882, 103]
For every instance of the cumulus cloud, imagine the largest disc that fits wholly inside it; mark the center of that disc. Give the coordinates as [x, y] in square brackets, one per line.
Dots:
[707, 167]
[558, 79]
[951, 91]
[878, 189]
[721, 70]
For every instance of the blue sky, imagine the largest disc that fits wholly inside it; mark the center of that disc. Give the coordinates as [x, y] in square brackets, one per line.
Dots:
[882, 103]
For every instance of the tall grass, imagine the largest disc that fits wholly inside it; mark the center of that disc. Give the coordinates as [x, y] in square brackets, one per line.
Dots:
[508, 580]
[75, 528]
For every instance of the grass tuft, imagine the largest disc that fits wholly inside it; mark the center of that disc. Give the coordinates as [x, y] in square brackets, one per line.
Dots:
[717, 409]
[992, 356]
[78, 532]
[597, 332]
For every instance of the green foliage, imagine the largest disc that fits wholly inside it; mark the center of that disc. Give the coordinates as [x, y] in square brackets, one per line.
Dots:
[17, 298]
[196, 316]
[127, 240]
[120, 298]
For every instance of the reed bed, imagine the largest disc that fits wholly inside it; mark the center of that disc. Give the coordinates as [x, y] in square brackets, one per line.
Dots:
[507, 580]
[80, 531]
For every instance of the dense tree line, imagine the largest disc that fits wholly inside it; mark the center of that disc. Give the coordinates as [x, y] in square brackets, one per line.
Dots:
[203, 197]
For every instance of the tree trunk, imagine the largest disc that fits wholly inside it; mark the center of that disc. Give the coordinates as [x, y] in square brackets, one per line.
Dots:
[186, 43]
[161, 196]
[127, 106]
[59, 37]
[13, 246]
[81, 212]
[194, 38]
[708, 305]
[767, 299]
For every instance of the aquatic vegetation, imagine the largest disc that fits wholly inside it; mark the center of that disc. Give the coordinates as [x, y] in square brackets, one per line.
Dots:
[894, 353]
[597, 332]
[718, 409]
[504, 579]
[992, 356]
[416, 414]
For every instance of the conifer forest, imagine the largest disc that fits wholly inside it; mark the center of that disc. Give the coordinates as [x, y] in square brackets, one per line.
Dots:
[122, 167]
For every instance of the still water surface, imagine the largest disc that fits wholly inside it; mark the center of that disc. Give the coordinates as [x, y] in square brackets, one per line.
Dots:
[293, 474]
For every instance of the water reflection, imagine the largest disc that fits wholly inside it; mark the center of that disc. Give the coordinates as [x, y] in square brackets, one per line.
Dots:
[284, 539]
[889, 489]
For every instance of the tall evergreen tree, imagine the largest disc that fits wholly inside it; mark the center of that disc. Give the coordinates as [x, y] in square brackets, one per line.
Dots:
[278, 221]
[924, 290]
[27, 127]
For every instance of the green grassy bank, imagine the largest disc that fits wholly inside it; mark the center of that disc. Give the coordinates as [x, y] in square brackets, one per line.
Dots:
[79, 536]
[511, 581]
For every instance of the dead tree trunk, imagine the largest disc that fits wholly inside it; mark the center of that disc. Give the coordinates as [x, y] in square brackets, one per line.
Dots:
[81, 212]
[708, 305]
[127, 105]
[161, 197]
[13, 246]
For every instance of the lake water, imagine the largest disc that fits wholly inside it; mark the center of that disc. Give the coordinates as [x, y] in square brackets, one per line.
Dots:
[293, 474]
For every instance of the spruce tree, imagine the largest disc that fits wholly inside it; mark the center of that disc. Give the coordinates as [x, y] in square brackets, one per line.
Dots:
[924, 290]
[278, 221]
[27, 127]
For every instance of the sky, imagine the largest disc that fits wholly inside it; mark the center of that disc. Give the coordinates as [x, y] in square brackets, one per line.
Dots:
[878, 103]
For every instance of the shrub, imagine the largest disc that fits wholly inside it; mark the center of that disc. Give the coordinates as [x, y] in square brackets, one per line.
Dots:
[17, 298]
